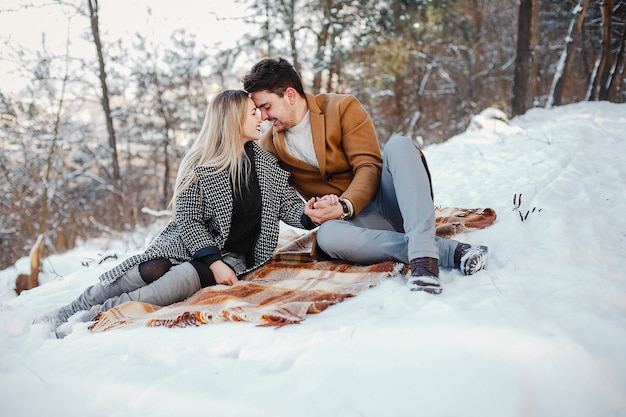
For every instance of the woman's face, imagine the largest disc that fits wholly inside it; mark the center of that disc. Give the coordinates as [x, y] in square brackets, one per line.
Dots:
[252, 123]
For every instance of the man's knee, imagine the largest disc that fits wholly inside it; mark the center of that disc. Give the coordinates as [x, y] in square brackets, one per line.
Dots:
[324, 236]
[399, 143]
[329, 237]
[400, 148]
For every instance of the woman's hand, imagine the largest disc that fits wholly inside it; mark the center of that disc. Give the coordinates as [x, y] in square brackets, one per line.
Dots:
[223, 273]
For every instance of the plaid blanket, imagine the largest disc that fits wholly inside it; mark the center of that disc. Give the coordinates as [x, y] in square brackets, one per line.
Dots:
[454, 220]
[284, 290]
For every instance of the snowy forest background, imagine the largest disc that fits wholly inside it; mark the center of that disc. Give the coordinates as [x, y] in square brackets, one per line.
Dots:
[91, 144]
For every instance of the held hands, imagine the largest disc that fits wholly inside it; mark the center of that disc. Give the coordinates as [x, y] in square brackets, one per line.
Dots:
[223, 274]
[320, 209]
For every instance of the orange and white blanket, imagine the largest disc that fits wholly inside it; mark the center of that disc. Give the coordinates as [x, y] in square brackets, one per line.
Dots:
[284, 290]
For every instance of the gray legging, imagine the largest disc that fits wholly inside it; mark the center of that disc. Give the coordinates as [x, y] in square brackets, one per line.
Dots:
[178, 283]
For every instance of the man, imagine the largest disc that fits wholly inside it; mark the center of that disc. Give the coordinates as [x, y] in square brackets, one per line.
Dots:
[385, 211]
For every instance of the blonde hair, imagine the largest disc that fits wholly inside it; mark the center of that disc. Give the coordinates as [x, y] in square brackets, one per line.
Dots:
[219, 143]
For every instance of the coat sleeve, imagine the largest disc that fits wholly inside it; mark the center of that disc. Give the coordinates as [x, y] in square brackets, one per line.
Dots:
[292, 209]
[199, 232]
[347, 149]
[361, 147]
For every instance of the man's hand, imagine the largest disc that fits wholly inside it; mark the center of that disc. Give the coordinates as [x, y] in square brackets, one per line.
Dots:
[223, 273]
[327, 200]
[320, 209]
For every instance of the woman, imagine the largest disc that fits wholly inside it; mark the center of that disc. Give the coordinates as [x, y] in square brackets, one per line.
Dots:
[229, 198]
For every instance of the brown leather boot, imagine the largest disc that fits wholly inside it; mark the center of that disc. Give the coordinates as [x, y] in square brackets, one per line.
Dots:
[425, 276]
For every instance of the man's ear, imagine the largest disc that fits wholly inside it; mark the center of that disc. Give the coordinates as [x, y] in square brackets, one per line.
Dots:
[291, 94]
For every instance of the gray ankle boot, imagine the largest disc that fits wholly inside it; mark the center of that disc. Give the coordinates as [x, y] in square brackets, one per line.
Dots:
[92, 296]
[55, 318]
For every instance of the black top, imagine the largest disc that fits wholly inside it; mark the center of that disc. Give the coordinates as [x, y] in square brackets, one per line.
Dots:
[246, 219]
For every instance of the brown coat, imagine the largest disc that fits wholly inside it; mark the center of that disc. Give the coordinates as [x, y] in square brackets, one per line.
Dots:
[346, 147]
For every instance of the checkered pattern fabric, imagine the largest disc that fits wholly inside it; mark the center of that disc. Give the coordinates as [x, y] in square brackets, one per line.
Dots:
[203, 216]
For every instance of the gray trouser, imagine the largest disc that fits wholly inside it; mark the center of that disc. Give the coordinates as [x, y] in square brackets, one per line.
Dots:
[399, 223]
[177, 284]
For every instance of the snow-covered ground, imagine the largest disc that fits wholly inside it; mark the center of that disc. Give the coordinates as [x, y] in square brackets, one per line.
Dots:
[541, 333]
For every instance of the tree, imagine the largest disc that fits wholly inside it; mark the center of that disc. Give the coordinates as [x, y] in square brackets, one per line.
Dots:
[535, 48]
[34, 167]
[392, 65]
[522, 59]
[567, 56]
[421, 68]
[167, 101]
[106, 107]
[595, 38]
[601, 83]
[328, 30]
[617, 73]
[279, 29]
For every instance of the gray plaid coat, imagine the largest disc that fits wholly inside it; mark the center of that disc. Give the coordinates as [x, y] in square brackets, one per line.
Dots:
[202, 217]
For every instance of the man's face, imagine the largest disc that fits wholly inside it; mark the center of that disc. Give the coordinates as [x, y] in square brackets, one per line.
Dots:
[280, 111]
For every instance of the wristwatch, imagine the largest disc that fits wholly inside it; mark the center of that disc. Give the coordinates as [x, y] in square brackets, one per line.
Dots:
[346, 210]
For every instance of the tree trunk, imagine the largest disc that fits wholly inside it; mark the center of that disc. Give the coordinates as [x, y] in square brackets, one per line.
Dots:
[95, 30]
[598, 82]
[607, 55]
[521, 83]
[290, 14]
[28, 281]
[45, 199]
[617, 72]
[560, 76]
[534, 56]
[322, 41]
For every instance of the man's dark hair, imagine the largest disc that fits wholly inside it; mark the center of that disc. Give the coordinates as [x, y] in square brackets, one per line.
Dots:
[273, 75]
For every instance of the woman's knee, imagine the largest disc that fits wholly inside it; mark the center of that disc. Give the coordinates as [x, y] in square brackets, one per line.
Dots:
[154, 269]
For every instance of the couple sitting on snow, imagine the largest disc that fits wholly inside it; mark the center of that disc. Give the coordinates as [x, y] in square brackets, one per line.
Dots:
[232, 192]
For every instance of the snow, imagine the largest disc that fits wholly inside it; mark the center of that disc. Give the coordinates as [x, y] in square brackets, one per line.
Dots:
[541, 332]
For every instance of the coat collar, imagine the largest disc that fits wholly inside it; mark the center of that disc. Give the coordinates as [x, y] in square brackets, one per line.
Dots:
[318, 132]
